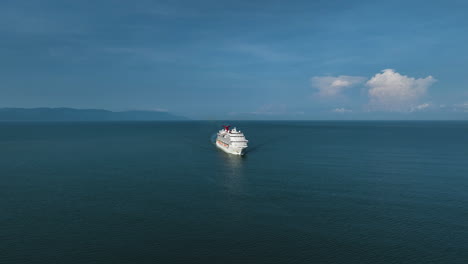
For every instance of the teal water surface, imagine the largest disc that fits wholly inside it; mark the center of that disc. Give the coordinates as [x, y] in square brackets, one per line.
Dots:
[306, 192]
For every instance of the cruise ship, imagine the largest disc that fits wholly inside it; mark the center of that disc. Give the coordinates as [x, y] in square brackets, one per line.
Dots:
[231, 141]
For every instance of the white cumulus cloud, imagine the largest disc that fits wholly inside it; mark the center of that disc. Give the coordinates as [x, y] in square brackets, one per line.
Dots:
[329, 86]
[461, 107]
[342, 110]
[391, 91]
[420, 107]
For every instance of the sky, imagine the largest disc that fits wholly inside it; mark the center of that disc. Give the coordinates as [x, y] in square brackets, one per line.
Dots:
[216, 59]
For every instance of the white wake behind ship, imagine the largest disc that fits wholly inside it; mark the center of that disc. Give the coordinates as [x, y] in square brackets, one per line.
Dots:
[231, 141]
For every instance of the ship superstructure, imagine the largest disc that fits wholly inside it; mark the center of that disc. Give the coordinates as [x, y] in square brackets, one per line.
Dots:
[231, 141]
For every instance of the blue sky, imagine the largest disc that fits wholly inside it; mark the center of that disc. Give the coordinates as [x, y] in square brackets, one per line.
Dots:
[239, 59]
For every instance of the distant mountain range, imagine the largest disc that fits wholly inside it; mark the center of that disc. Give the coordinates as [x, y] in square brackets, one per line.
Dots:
[70, 114]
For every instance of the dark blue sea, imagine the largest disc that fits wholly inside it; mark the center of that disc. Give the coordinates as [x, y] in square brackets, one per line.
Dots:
[306, 192]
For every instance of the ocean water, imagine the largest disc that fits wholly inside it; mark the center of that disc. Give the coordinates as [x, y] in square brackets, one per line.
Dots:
[306, 192]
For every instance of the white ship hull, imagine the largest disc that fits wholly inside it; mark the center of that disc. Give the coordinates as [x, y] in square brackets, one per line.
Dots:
[231, 141]
[230, 149]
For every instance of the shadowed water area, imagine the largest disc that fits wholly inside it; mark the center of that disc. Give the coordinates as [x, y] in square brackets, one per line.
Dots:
[306, 192]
